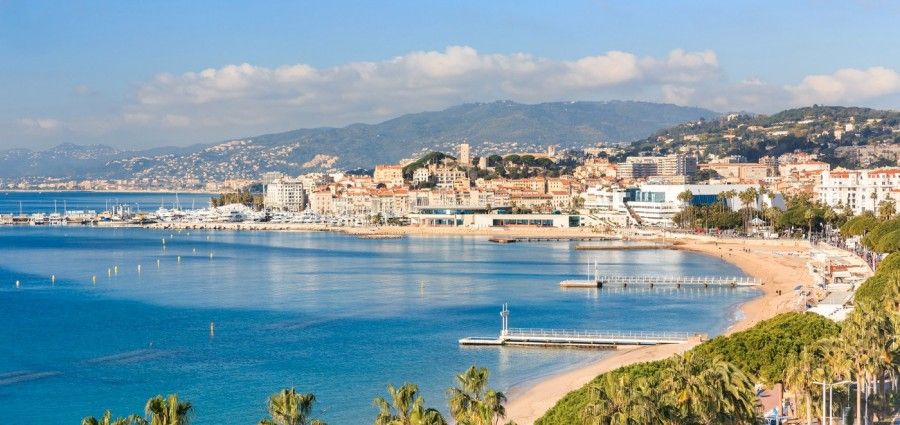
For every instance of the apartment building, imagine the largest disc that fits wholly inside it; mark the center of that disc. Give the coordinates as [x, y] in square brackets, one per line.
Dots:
[636, 167]
[285, 195]
[861, 190]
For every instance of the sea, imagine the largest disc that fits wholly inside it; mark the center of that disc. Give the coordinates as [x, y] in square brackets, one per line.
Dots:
[95, 318]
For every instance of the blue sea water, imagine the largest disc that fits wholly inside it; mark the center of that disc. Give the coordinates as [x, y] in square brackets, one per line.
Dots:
[58, 201]
[327, 313]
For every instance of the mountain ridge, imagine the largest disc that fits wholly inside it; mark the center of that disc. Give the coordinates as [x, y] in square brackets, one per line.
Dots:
[489, 127]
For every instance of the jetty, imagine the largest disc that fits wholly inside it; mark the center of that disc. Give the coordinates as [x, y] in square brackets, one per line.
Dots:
[597, 280]
[622, 247]
[513, 239]
[651, 281]
[574, 338]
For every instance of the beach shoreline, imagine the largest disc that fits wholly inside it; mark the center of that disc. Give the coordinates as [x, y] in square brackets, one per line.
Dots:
[779, 264]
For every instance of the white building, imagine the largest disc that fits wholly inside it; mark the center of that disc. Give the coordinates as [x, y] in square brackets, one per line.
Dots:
[285, 195]
[657, 204]
[861, 190]
[421, 175]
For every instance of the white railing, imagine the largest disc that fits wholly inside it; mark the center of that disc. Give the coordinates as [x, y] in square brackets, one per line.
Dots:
[570, 333]
[679, 280]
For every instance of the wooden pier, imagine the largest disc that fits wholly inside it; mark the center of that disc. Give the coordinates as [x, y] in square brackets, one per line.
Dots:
[574, 338]
[602, 281]
[513, 239]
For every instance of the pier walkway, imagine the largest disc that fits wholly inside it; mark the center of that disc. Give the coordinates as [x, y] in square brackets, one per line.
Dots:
[601, 281]
[574, 338]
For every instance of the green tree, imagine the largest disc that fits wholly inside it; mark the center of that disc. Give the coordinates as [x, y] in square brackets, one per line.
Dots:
[886, 209]
[107, 419]
[406, 407]
[287, 407]
[685, 198]
[799, 377]
[168, 410]
[472, 402]
[620, 399]
[748, 197]
[868, 336]
[709, 391]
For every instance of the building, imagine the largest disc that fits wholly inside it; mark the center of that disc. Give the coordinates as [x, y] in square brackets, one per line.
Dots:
[390, 175]
[285, 195]
[421, 175]
[465, 155]
[861, 190]
[446, 175]
[636, 167]
[743, 172]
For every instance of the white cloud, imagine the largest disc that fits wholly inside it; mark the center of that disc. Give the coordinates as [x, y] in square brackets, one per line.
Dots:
[846, 85]
[299, 94]
[82, 90]
[246, 99]
[38, 124]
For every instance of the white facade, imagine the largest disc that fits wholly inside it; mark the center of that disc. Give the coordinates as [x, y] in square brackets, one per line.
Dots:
[285, 195]
[656, 204]
[861, 190]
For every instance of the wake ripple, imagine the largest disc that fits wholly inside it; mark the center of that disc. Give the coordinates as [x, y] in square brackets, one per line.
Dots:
[20, 376]
[134, 356]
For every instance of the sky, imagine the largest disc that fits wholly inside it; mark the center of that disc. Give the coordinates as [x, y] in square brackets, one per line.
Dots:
[137, 75]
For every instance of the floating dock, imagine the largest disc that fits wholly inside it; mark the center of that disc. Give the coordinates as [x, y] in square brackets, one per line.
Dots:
[651, 281]
[574, 338]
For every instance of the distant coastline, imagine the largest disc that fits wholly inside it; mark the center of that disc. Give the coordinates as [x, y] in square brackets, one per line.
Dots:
[168, 191]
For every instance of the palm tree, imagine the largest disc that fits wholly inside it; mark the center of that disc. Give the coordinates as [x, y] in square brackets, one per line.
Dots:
[168, 411]
[106, 419]
[618, 399]
[809, 215]
[773, 214]
[747, 197]
[726, 196]
[685, 198]
[868, 335]
[406, 407]
[886, 209]
[472, 403]
[287, 407]
[708, 391]
[799, 378]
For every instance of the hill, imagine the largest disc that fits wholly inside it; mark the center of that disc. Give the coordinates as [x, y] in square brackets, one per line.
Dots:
[835, 133]
[496, 127]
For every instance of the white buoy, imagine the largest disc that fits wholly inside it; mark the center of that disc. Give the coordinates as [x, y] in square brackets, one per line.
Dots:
[210, 256]
[139, 268]
[52, 278]
[157, 263]
[94, 279]
[212, 328]
[109, 272]
[179, 258]
[163, 241]
[195, 250]
[18, 284]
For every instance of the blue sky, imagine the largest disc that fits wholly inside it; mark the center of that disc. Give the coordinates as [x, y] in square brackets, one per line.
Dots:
[132, 74]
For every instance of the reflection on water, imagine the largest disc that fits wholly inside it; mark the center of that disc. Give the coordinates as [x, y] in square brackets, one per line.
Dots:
[328, 313]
